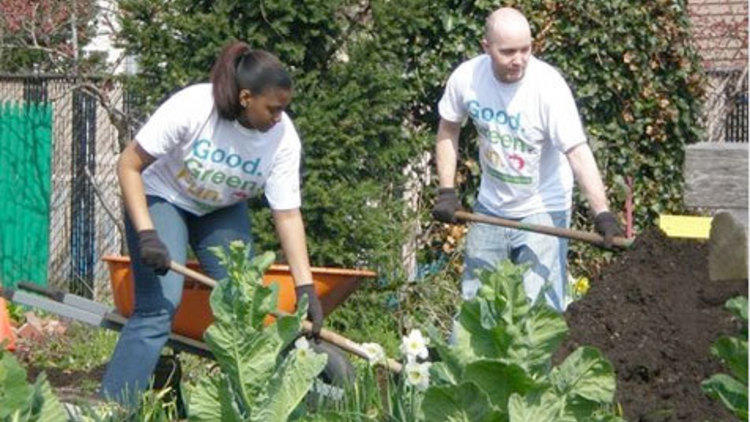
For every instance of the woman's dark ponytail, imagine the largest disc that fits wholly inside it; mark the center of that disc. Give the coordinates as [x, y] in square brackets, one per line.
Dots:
[239, 67]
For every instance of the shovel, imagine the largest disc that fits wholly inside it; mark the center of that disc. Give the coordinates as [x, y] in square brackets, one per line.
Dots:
[593, 238]
[329, 336]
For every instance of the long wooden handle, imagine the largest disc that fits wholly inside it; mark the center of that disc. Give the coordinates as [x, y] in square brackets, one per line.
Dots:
[329, 336]
[593, 238]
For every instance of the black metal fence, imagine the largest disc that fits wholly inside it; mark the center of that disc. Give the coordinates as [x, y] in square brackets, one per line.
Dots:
[85, 208]
[736, 123]
[726, 106]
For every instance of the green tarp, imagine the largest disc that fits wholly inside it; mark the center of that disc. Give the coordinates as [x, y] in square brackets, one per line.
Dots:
[25, 148]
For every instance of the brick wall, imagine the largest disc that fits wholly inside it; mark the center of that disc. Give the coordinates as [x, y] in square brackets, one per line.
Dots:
[720, 31]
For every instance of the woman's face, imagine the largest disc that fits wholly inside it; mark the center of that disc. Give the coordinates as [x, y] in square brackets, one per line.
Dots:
[262, 111]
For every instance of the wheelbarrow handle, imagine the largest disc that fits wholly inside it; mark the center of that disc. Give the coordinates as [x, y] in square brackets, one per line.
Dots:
[329, 336]
[593, 238]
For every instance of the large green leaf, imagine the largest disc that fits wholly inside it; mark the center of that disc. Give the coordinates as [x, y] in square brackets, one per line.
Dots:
[45, 407]
[21, 401]
[733, 353]
[289, 385]
[248, 359]
[539, 334]
[213, 400]
[503, 289]
[472, 339]
[730, 391]
[264, 301]
[499, 380]
[738, 306]
[464, 402]
[452, 360]
[587, 374]
[14, 391]
[544, 407]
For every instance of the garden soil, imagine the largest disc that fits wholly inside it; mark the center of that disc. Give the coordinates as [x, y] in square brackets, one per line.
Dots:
[654, 313]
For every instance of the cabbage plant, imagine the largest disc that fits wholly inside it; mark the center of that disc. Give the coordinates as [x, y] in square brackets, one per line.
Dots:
[732, 351]
[499, 365]
[258, 381]
[21, 401]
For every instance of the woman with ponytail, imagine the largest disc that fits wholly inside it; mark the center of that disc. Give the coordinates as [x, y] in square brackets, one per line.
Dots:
[185, 180]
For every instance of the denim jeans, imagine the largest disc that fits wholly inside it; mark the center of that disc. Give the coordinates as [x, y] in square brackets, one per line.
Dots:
[487, 244]
[157, 297]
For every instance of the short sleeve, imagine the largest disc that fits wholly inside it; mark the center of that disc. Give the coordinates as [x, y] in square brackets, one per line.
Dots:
[564, 126]
[173, 121]
[451, 105]
[282, 186]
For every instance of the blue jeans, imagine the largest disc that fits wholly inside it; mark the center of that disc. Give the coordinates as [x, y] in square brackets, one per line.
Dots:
[487, 244]
[157, 297]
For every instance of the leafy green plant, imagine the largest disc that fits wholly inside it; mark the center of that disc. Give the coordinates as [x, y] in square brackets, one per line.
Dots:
[21, 401]
[153, 406]
[499, 367]
[732, 351]
[257, 381]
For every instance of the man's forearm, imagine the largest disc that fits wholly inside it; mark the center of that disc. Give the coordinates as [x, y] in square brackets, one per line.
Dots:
[446, 153]
[587, 175]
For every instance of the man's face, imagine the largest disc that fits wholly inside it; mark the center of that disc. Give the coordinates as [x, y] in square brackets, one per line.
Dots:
[510, 54]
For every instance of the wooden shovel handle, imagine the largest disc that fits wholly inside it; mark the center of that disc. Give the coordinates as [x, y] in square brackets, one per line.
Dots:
[593, 238]
[329, 336]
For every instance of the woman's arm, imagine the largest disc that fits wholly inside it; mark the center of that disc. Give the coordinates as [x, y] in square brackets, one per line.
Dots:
[291, 232]
[133, 160]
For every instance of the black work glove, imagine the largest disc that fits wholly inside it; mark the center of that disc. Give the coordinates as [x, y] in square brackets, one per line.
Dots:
[606, 224]
[153, 252]
[446, 205]
[314, 310]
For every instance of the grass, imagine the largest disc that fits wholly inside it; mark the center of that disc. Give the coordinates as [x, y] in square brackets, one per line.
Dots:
[81, 348]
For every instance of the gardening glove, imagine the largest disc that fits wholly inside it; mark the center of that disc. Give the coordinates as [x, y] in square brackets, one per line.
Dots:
[446, 205]
[314, 310]
[606, 224]
[153, 252]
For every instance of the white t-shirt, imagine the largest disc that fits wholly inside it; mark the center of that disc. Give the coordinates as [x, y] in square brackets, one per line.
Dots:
[524, 130]
[204, 162]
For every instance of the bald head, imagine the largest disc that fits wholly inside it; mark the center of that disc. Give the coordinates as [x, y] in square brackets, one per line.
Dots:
[504, 23]
[507, 40]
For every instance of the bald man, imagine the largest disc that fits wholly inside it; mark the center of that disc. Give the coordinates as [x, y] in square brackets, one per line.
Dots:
[531, 144]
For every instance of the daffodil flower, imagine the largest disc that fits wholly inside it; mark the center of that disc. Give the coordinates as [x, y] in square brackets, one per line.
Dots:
[375, 352]
[418, 374]
[414, 345]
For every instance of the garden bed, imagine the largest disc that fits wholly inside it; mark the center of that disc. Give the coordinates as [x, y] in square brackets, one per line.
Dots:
[654, 313]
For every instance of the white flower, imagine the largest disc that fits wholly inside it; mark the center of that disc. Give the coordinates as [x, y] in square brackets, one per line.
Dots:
[303, 347]
[414, 345]
[418, 374]
[375, 352]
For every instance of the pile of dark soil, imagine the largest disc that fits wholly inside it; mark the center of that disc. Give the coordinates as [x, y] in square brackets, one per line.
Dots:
[654, 313]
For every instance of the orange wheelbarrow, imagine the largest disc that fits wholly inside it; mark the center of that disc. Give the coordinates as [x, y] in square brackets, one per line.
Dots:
[333, 286]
